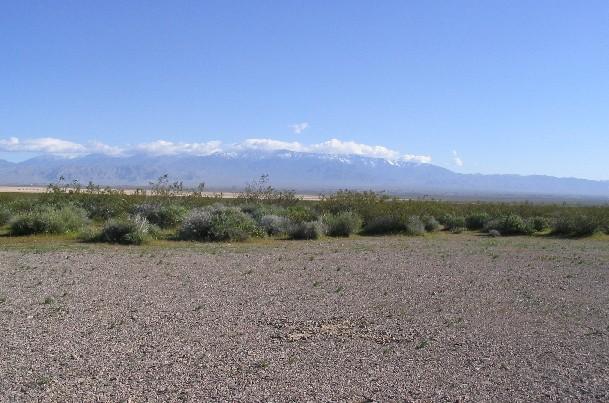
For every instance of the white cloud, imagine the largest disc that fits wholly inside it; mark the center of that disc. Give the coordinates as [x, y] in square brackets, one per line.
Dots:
[162, 147]
[456, 159]
[49, 145]
[270, 145]
[335, 146]
[96, 147]
[46, 145]
[332, 146]
[298, 128]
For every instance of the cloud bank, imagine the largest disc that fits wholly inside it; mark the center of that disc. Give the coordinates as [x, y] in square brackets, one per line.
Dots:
[55, 146]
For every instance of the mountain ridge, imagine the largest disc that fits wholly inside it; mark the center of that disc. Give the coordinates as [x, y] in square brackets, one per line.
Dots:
[290, 169]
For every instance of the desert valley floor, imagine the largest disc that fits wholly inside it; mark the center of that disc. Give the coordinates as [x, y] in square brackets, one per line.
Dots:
[442, 318]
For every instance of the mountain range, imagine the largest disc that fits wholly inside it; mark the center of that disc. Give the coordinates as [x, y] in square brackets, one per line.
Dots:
[303, 172]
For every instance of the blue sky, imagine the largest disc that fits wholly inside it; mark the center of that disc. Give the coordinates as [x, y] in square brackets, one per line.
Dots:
[499, 86]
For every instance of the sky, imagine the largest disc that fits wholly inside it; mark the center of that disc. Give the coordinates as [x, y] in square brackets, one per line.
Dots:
[484, 86]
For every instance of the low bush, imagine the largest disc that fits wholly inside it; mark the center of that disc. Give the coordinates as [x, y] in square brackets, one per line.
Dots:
[453, 223]
[511, 224]
[300, 213]
[430, 223]
[5, 215]
[413, 225]
[259, 210]
[576, 225]
[385, 224]
[163, 215]
[49, 220]
[132, 230]
[539, 224]
[342, 224]
[218, 223]
[104, 208]
[305, 230]
[391, 224]
[274, 224]
[476, 221]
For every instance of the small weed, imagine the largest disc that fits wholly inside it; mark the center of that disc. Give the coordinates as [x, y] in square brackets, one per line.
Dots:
[48, 301]
[116, 323]
[339, 289]
[43, 380]
[2, 299]
[422, 344]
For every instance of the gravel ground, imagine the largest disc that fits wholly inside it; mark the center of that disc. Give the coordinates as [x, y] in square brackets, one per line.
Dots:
[456, 317]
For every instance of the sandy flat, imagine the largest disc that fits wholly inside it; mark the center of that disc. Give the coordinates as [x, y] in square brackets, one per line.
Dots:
[370, 319]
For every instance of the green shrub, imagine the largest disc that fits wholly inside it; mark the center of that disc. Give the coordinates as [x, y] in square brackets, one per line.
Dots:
[430, 223]
[301, 213]
[274, 224]
[131, 230]
[164, 215]
[392, 224]
[476, 221]
[104, 206]
[342, 224]
[511, 224]
[218, 223]
[452, 223]
[5, 215]
[305, 230]
[385, 224]
[576, 225]
[49, 220]
[539, 224]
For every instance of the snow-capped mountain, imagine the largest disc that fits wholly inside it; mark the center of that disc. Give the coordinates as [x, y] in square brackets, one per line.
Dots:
[294, 170]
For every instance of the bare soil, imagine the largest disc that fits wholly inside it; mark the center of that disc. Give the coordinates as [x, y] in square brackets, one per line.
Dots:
[443, 318]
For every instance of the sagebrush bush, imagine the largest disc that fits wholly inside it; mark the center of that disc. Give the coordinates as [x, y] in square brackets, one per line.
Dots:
[413, 225]
[132, 230]
[453, 223]
[305, 230]
[49, 220]
[431, 224]
[165, 215]
[274, 224]
[511, 224]
[342, 224]
[218, 223]
[576, 225]
[385, 224]
[476, 221]
[259, 210]
[5, 215]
